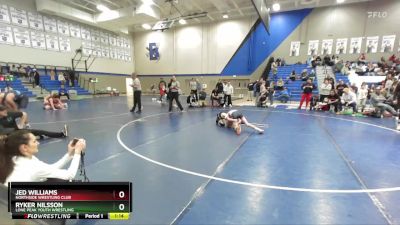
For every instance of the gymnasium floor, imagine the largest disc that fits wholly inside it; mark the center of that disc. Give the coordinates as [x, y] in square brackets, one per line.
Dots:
[308, 168]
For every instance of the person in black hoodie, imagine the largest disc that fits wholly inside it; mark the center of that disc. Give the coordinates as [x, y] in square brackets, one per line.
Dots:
[307, 88]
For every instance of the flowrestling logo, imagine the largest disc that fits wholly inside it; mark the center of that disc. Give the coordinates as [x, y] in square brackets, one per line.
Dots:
[377, 15]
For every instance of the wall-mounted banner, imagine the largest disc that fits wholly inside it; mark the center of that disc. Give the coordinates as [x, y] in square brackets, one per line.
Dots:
[113, 40]
[294, 48]
[75, 30]
[104, 38]
[326, 47]
[126, 43]
[120, 42]
[65, 44]
[355, 45]
[85, 34]
[371, 46]
[63, 28]
[21, 37]
[38, 40]
[50, 24]
[6, 35]
[52, 42]
[87, 48]
[96, 49]
[105, 51]
[35, 21]
[121, 54]
[388, 43]
[313, 47]
[18, 17]
[341, 46]
[95, 35]
[4, 16]
[113, 53]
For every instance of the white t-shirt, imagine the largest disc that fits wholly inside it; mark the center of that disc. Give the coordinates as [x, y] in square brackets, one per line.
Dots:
[136, 84]
[32, 169]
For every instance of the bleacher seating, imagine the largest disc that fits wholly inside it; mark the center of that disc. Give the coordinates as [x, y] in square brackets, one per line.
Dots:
[51, 85]
[18, 86]
[294, 87]
[340, 76]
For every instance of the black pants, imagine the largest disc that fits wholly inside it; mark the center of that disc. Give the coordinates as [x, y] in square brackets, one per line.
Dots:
[137, 100]
[39, 133]
[65, 94]
[322, 97]
[174, 95]
[335, 105]
[195, 94]
[229, 97]
[353, 105]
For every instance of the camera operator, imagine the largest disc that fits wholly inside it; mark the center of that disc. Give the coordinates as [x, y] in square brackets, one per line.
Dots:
[18, 161]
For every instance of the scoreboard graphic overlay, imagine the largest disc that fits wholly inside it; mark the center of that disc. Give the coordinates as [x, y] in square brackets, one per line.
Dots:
[58, 200]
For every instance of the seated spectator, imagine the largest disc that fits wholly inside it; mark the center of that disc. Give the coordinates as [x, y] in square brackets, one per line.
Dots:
[53, 102]
[63, 92]
[388, 82]
[202, 98]
[279, 84]
[304, 75]
[349, 99]
[293, 75]
[283, 95]
[333, 101]
[325, 89]
[18, 152]
[362, 58]
[379, 101]
[340, 87]
[8, 88]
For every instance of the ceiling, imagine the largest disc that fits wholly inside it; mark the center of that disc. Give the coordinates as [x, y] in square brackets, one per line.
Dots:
[131, 20]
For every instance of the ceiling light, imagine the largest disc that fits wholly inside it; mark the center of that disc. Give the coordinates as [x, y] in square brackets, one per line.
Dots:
[148, 2]
[339, 1]
[182, 21]
[276, 7]
[102, 8]
[225, 16]
[146, 26]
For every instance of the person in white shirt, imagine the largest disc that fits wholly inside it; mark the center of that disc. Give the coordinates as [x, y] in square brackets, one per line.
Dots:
[349, 99]
[325, 90]
[137, 93]
[228, 91]
[362, 96]
[19, 164]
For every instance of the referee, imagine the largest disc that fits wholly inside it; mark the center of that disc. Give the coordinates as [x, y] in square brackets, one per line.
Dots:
[137, 93]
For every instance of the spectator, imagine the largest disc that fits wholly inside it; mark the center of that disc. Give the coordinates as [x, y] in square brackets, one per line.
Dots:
[250, 91]
[52, 74]
[304, 75]
[378, 100]
[202, 98]
[174, 89]
[63, 92]
[274, 67]
[362, 96]
[349, 98]
[283, 95]
[340, 87]
[36, 77]
[280, 84]
[193, 88]
[228, 92]
[307, 88]
[293, 75]
[137, 93]
[8, 88]
[325, 89]
[162, 87]
[333, 100]
[215, 98]
[354, 88]
[388, 82]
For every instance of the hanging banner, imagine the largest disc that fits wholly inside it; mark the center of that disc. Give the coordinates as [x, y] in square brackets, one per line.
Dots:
[313, 47]
[4, 16]
[63, 28]
[21, 37]
[85, 34]
[372, 44]
[104, 38]
[341, 46]
[121, 54]
[120, 42]
[6, 35]
[294, 48]
[388, 43]
[86, 48]
[75, 30]
[113, 40]
[105, 52]
[96, 49]
[113, 53]
[38, 40]
[18, 17]
[355, 45]
[326, 47]
[35, 21]
[52, 42]
[126, 43]
[95, 35]
[65, 44]
[50, 24]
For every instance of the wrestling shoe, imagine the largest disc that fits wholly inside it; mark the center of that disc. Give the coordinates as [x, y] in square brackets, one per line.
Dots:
[65, 130]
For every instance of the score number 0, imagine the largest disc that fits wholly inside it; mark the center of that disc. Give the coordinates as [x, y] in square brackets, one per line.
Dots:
[121, 195]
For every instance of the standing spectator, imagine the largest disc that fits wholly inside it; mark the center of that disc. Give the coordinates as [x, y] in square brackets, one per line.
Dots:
[274, 67]
[13, 70]
[61, 78]
[36, 77]
[250, 91]
[137, 93]
[325, 90]
[354, 88]
[193, 88]
[174, 89]
[307, 88]
[52, 74]
[362, 96]
[228, 91]
[220, 87]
